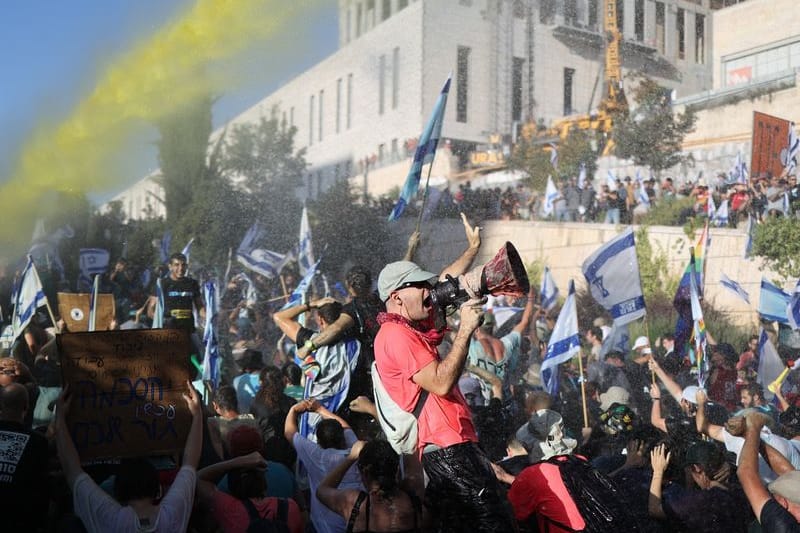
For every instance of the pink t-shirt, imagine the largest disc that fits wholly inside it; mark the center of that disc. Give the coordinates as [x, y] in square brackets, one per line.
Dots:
[232, 516]
[540, 490]
[399, 354]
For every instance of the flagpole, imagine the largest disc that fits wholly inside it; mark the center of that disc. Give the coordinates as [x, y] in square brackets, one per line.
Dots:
[425, 195]
[283, 287]
[47, 301]
[583, 391]
[647, 334]
[227, 271]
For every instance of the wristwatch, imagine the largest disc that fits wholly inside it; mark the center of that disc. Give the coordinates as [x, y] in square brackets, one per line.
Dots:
[310, 345]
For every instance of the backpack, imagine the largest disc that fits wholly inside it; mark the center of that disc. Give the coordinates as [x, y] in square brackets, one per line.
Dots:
[598, 500]
[399, 425]
[261, 524]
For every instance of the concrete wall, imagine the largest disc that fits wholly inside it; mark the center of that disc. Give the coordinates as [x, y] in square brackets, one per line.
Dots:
[564, 246]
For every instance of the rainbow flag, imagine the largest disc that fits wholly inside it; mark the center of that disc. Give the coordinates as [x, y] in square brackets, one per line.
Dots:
[682, 301]
[699, 329]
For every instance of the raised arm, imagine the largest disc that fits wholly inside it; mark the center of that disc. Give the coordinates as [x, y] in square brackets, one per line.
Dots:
[460, 265]
[527, 313]
[208, 477]
[439, 377]
[413, 243]
[290, 428]
[659, 459]
[286, 319]
[340, 501]
[329, 335]
[701, 420]
[671, 385]
[747, 471]
[67, 454]
[655, 410]
[194, 442]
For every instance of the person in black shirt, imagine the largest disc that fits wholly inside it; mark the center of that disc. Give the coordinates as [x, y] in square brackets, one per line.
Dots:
[180, 294]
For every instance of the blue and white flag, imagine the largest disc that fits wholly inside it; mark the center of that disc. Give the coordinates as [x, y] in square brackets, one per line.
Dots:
[211, 358]
[92, 261]
[550, 195]
[548, 295]
[93, 304]
[28, 297]
[793, 309]
[187, 250]
[617, 340]
[611, 181]
[265, 262]
[739, 173]
[641, 195]
[166, 242]
[305, 255]
[302, 288]
[554, 156]
[582, 177]
[564, 343]
[158, 313]
[773, 303]
[792, 149]
[734, 287]
[748, 243]
[612, 273]
[770, 364]
[426, 150]
[720, 218]
[711, 208]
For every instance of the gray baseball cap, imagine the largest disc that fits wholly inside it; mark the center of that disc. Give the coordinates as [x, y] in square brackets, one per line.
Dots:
[396, 274]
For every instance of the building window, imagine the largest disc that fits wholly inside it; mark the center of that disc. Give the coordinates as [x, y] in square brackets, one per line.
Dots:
[347, 35]
[349, 99]
[395, 154]
[518, 9]
[311, 120]
[381, 152]
[699, 39]
[569, 76]
[359, 20]
[638, 20]
[402, 4]
[291, 116]
[381, 83]
[593, 9]
[338, 104]
[321, 95]
[516, 88]
[547, 11]
[462, 83]
[386, 12]
[680, 24]
[395, 77]
[467, 3]
[661, 36]
[570, 12]
[620, 16]
[283, 120]
[370, 15]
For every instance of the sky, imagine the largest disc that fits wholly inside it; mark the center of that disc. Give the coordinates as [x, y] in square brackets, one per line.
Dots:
[53, 54]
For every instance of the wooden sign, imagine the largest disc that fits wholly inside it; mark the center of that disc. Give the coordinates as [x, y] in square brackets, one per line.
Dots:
[126, 389]
[74, 309]
[770, 137]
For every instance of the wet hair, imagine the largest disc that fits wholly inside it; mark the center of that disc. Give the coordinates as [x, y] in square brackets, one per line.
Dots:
[330, 312]
[359, 278]
[247, 483]
[271, 390]
[330, 434]
[177, 256]
[13, 401]
[596, 332]
[379, 463]
[292, 372]
[137, 478]
[225, 398]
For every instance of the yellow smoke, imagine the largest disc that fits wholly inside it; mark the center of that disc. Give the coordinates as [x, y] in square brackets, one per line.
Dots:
[173, 67]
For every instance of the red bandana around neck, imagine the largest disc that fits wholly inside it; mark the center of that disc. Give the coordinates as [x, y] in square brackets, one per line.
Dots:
[432, 336]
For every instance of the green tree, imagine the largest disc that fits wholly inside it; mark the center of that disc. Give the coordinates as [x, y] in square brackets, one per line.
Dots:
[652, 134]
[530, 157]
[777, 241]
[574, 151]
[349, 232]
[182, 152]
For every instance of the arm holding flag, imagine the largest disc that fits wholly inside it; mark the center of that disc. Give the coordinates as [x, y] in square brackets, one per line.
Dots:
[286, 319]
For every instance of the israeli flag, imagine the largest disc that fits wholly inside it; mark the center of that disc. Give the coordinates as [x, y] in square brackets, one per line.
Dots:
[739, 172]
[792, 149]
[611, 181]
[550, 195]
[305, 256]
[617, 340]
[302, 288]
[582, 177]
[93, 303]
[158, 313]
[426, 150]
[564, 342]
[773, 303]
[721, 216]
[265, 262]
[711, 207]
[211, 357]
[92, 261]
[734, 287]
[641, 195]
[612, 273]
[770, 364]
[549, 292]
[748, 243]
[187, 250]
[793, 308]
[29, 297]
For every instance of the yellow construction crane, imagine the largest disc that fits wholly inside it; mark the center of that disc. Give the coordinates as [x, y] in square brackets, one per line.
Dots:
[613, 101]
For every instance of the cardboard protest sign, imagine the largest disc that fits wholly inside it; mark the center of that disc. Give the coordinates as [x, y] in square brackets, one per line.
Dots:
[770, 138]
[74, 309]
[126, 389]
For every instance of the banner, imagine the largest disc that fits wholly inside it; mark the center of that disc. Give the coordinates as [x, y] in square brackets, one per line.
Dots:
[74, 309]
[770, 138]
[127, 391]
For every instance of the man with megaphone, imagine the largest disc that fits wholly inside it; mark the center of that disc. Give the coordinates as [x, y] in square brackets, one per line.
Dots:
[462, 493]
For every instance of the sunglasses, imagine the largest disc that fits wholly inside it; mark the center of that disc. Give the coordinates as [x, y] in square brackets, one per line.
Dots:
[415, 284]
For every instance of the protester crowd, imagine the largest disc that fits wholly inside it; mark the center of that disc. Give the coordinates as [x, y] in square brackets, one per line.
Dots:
[290, 438]
[725, 201]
